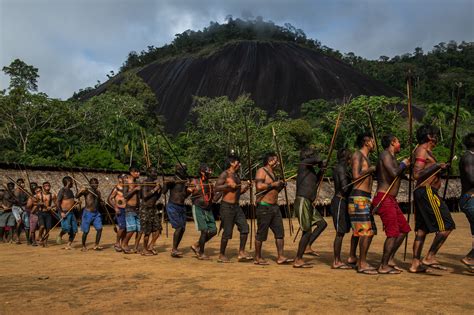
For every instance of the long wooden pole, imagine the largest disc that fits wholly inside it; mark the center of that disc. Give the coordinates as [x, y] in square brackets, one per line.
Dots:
[171, 148]
[453, 140]
[252, 203]
[410, 147]
[374, 134]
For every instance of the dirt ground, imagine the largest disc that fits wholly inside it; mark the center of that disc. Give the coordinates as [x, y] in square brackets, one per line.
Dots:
[52, 280]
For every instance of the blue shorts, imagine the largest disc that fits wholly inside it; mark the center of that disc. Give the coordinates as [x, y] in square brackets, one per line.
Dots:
[176, 215]
[467, 206]
[90, 217]
[132, 222]
[120, 218]
[25, 218]
[69, 224]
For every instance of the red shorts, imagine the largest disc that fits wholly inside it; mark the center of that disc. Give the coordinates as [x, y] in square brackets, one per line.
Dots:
[392, 217]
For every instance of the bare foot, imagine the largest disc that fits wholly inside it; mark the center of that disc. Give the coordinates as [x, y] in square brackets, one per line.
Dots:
[84, 249]
[203, 257]
[146, 252]
[469, 262]
[340, 265]
[195, 249]
[311, 252]
[366, 266]
[283, 260]
[387, 270]
[223, 259]
[260, 261]
[244, 256]
[176, 254]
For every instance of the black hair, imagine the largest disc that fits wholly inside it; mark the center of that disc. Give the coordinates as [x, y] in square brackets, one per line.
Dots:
[46, 183]
[20, 180]
[150, 169]
[424, 131]
[133, 169]
[362, 137]
[342, 154]
[203, 168]
[469, 140]
[38, 187]
[230, 159]
[267, 156]
[387, 140]
[307, 153]
[66, 179]
[95, 180]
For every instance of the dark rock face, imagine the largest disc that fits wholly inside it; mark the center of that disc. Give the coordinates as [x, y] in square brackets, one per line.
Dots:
[277, 75]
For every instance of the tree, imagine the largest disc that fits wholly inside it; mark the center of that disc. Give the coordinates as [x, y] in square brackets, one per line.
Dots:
[22, 76]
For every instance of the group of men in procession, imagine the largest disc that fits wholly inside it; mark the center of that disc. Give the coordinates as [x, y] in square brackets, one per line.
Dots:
[352, 207]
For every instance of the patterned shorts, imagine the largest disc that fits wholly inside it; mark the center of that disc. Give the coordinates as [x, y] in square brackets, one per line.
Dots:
[150, 220]
[362, 221]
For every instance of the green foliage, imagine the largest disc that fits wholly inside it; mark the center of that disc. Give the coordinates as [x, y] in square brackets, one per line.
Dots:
[23, 77]
[434, 73]
[216, 34]
[106, 130]
[39, 130]
[95, 157]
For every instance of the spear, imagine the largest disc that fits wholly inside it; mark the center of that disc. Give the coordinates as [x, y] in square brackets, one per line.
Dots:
[171, 148]
[410, 168]
[372, 128]
[453, 140]
[252, 205]
[164, 195]
[282, 170]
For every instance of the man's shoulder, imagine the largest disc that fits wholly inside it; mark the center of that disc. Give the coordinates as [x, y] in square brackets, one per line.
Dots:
[356, 154]
[420, 151]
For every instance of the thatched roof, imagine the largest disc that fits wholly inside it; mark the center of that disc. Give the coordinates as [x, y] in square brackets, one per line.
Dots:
[108, 180]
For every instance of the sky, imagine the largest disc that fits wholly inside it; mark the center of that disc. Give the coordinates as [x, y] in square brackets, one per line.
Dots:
[74, 43]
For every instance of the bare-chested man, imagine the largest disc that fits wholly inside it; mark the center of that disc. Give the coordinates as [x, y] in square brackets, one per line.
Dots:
[149, 217]
[176, 208]
[342, 222]
[359, 205]
[268, 211]
[22, 216]
[45, 215]
[466, 169]
[91, 214]
[394, 222]
[117, 201]
[34, 205]
[7, 220]
[230, 211]
[431, 212]
[308, 216]
[202, 196]
[64, 204]
[131, 193]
